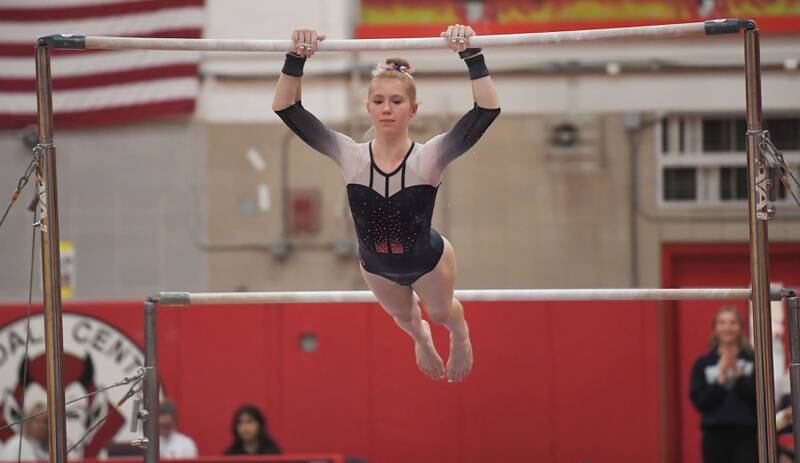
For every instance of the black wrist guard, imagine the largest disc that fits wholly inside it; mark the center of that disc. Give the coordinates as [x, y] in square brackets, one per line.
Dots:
[293, 66]
[476, 64]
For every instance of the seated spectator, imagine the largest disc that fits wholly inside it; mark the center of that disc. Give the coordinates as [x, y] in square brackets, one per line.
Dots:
[250, 435]
[32, 445]
[172, 443]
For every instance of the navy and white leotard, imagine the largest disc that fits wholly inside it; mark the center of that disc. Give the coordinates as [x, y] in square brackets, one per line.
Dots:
[392, 211]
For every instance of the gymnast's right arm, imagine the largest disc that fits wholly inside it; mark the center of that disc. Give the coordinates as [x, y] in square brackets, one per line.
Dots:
[286, 102]
[304, 45]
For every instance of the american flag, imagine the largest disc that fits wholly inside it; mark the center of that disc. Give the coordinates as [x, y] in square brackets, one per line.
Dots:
[98, 87]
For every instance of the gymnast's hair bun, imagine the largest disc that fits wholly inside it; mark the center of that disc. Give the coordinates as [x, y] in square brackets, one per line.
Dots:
[395, 64]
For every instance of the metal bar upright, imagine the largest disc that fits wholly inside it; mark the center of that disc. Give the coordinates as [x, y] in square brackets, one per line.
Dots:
[151, 386]
[759, 214]
[51, 270]
[794, 366]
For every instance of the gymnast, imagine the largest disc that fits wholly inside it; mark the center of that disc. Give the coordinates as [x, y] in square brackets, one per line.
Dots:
[391, 187]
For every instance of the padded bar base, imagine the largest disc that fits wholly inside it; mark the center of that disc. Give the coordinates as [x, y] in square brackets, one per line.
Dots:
[728, 26]
[67, 41]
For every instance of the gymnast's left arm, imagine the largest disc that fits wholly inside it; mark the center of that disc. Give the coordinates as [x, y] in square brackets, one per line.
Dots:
[470, 128]
[483, 90]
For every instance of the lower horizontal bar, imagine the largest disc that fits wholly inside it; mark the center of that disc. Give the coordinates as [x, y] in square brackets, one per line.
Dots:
[177, 299]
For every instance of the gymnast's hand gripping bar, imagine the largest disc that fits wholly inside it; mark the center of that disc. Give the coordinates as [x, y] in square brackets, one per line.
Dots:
[710, 27]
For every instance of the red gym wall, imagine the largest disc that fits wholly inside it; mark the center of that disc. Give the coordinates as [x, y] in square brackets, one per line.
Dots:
[556, 382]
[552, 382]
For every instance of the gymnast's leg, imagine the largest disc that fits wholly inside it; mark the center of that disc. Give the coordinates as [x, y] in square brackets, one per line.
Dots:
[401, 303]
[436, 288]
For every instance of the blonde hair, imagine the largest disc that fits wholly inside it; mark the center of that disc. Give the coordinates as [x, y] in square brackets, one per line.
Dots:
[396, 68]
[741, 340]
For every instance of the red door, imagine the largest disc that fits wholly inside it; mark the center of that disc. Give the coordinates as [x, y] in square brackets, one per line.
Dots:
[704, 265]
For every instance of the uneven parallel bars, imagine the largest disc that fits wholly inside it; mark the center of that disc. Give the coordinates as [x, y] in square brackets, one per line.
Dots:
[710, 27]
[758, 239]
[180, 299]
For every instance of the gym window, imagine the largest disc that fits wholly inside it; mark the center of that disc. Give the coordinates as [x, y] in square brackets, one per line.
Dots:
[702, 159]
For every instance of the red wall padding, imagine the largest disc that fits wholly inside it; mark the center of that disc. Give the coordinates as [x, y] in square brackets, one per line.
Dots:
[556, 382]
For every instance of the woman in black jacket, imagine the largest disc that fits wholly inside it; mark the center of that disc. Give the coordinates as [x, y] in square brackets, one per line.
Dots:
[250, 436]
[723, 390]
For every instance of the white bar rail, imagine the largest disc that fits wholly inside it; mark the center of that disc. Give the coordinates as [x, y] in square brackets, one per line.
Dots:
[167, 299]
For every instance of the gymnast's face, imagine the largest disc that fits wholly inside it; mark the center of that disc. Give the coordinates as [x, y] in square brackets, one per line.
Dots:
[389, 106]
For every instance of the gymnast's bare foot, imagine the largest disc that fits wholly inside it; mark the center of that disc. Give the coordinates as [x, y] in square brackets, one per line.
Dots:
[460, 362]
[428, 359]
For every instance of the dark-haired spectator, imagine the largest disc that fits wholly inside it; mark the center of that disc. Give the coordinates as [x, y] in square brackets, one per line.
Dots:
[250, 433]
[723, 390]
[173, 444]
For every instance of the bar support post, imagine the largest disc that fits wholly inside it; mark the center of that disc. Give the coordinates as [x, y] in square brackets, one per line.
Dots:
[759, 214]
[151, 386]
[51, 268]
[794, 365]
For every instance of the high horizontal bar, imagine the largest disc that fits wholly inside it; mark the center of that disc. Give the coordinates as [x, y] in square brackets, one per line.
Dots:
[176, 299]
[710, 27]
